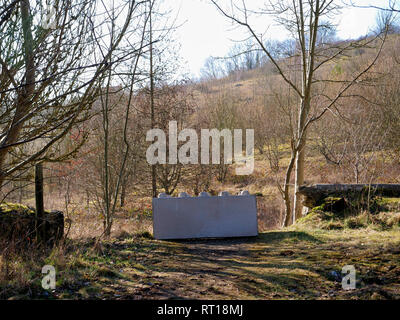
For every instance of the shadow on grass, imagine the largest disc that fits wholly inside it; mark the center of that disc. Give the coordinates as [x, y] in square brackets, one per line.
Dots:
[181, 269]
[276, 236]
[265, 237]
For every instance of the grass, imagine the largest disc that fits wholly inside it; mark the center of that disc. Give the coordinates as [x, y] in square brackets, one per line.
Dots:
[383, 215]
[300, 262]
[294, 263]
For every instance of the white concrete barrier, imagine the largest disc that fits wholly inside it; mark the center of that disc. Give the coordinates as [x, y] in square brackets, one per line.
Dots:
[205, 216]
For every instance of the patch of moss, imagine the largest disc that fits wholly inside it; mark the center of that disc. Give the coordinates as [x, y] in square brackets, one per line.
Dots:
[313, 217]
[329, 201]
[320, 219]
[8, 207]
[388, 203]
[317, 217]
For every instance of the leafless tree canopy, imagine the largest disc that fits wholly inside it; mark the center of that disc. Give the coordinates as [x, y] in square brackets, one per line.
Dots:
[52, 60]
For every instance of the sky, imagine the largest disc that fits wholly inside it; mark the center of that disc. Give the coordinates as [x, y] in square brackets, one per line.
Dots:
[205, 32]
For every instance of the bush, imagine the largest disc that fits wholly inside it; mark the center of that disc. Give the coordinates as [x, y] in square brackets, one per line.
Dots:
[386, 220]
[356, 222]
[354, 212]
[333, 225]
[145, 235]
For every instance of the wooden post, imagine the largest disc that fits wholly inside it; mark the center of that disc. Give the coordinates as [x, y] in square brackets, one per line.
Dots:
[39, 202]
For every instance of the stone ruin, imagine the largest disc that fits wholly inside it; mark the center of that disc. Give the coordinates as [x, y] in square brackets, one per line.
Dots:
[345, 196]
[205, 216]
[18, 224]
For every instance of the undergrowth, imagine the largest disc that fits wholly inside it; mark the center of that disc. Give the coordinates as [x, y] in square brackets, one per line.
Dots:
[383, 214]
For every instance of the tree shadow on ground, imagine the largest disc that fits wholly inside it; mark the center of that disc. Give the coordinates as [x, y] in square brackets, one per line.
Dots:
[269, 237]
[273, 265]
[242, 263]
[264, 237]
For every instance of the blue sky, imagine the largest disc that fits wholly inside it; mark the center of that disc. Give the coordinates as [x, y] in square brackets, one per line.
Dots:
[205, 32]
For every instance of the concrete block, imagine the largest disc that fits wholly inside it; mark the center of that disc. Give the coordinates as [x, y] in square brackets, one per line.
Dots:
[205, 216]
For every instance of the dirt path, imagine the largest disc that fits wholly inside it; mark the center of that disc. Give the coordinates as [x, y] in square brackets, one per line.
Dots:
[275, 265]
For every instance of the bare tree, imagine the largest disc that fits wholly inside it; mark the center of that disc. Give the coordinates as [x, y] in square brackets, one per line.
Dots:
[387, 20]
[393, 6]
[305, 21]
[212, 69]
[173, 102]
[111, 190]
[162, 66]
[355, 142]
[221, 111]
[49, 77]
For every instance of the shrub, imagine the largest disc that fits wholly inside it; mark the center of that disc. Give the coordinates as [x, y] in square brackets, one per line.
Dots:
[333, 225]
[356, 222]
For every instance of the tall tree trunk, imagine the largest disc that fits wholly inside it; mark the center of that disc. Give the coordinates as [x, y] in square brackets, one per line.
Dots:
[106, 190]
[108, 220]
[123, 193]
[299, 180]
[21, 191]
[300, 153]
[40, 224]
[286, 191]
[25, 93]
[153, 167]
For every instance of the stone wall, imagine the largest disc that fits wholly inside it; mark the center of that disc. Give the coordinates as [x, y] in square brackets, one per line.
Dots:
[18, 223]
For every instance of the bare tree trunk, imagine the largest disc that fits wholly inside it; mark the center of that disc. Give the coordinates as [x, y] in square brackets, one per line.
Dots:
[106, 190]
[300, 158]
[24, 96]
[88, 201]
[153, 167]
[286, 192]
[39, 202]
[111, 194]
[123, 193]
[21, 191]
[299, 180]
[108, 219]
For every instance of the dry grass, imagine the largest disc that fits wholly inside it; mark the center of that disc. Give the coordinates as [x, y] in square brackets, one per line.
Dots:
[292, 263]
[287, 264]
